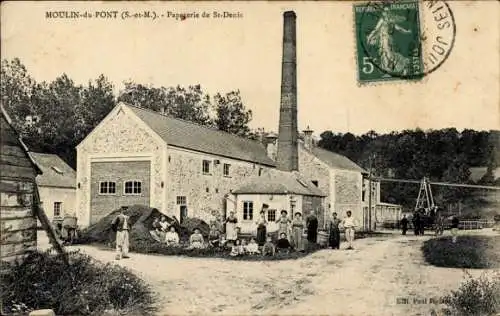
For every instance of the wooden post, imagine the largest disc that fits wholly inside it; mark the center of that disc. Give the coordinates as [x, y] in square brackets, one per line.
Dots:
[51, 234]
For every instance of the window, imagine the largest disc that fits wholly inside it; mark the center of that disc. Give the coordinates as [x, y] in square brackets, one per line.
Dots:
[57, 170]
[57, 209]
[206, 167]
[226, 169]
[181, 200]
[248, 210]
[107, 187]
[302, 183]
[271, 215]
[133, 187]
[315, 182]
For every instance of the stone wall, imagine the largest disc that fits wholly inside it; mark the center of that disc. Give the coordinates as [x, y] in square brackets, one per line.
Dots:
[314, 169]
[49, 195]
[120, 135]
[348, 188]
[203, 192]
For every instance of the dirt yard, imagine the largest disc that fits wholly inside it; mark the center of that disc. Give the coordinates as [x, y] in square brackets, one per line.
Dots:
[382, 276]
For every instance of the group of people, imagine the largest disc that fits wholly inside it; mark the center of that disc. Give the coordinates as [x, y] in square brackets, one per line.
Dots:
[334, 227]
[436, 220]
[293, 234]
[292, 230]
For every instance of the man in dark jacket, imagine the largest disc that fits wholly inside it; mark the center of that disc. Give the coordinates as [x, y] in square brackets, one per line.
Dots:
[416, 222]
[404, 224]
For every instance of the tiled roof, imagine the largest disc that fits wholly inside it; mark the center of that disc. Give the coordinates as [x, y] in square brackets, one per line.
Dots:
[192, 136]
[335, 160]
[279, 182]
[56, 173]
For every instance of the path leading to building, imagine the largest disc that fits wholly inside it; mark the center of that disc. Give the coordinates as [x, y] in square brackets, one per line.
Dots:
[382, 276]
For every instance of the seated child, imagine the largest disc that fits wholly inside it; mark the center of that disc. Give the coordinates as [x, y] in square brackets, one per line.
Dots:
[222, 241]
[236, 249]
[283, 245]
[214, 237]
[253, 247]
[268, 249]
[155, 231]
[196, 240]
[171, 237]
[243, 247]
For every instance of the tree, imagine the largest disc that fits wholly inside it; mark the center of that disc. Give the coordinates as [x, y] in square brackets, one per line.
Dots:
[97, 100]
[231, 115]
[15, 89]
[457, 172]
[190, 104]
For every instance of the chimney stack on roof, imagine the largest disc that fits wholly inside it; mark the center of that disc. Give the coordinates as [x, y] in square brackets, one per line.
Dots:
[308, 138]
[288, 156]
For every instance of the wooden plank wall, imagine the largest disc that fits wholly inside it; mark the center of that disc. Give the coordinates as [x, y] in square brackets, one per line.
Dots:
[17, 185]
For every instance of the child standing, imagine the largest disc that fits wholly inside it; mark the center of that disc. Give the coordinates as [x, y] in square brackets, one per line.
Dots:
[268, 249]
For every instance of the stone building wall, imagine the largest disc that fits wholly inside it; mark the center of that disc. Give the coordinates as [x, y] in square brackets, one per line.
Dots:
[348, 188]
[121, 136]
[203, 192]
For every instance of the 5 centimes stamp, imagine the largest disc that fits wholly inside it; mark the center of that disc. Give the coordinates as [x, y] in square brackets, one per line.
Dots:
[398, 40]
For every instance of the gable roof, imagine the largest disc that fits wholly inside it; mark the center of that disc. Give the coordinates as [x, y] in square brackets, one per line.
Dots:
[279, 182]
[56, 173]
[193, 136]
[335, 160]
[10, 133]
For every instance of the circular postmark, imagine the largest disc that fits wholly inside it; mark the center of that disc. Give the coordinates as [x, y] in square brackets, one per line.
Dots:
[406, 39]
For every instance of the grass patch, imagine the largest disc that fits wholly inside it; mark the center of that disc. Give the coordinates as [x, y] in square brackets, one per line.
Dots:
[471, 252]
[85, 287]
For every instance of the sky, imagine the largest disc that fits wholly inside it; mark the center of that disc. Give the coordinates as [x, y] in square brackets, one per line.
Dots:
[245, 53]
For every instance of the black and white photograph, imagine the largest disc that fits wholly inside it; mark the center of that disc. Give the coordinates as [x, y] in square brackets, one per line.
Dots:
[250, 158]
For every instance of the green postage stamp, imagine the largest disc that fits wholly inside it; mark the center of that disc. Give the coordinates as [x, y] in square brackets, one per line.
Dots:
[388, 41]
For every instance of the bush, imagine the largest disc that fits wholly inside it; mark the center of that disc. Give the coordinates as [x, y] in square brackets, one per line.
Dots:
[85, 287]
[471, 252]
[475, 297]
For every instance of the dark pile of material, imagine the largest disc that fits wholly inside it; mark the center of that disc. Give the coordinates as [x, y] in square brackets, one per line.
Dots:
[141, 220]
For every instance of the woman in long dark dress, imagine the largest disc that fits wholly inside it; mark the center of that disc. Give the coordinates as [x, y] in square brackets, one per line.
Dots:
[334, 230]
[312, 228]
[261, 229]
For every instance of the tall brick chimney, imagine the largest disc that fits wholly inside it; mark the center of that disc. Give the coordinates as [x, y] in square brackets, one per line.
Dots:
[288, 156]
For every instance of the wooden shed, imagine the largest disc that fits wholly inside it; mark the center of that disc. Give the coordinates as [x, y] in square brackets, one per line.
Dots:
[18, 213]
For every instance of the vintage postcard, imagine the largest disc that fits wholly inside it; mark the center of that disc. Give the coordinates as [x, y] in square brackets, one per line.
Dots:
[250, 158]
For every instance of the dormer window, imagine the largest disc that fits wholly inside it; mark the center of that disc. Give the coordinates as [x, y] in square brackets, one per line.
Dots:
[57, 170]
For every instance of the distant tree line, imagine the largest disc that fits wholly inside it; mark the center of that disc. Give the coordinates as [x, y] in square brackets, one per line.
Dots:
[444, 155]
[56, 116]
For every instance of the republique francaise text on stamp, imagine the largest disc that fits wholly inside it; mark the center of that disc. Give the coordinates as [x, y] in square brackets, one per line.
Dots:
[402, 39]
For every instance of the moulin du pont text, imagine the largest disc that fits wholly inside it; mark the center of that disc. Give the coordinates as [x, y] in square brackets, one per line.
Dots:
[148, 14]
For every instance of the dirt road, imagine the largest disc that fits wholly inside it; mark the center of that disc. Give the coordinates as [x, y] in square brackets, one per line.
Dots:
[382, 276]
